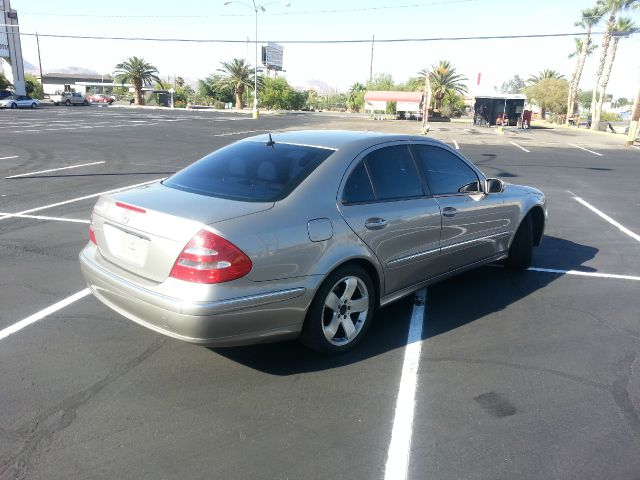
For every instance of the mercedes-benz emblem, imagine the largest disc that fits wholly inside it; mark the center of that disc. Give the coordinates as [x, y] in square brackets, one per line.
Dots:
[125, 216]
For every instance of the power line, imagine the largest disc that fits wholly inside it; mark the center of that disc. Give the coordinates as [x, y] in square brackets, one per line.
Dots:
[319, 42]
[268, 13]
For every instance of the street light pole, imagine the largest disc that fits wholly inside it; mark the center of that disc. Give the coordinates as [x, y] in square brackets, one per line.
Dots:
[256, 113]
[257, 9]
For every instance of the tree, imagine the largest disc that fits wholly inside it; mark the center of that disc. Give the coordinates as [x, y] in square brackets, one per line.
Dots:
[443, 77]
[515, 85]
[382, 82]
[453, 104]
[355, 99]
[33, 87]
[612, 8]
[238, 76]
[414, 84]
[621, 102]
[623, 28]
[138, 72]
[584, 48]
[550, 94]
[278, 94]
[544, 74]
[4, 82]
[583, 98]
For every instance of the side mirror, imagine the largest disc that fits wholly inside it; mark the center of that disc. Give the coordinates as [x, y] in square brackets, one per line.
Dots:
[473, 187]
[495, 185]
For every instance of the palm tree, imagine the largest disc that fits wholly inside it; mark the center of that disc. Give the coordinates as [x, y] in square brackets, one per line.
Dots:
[584, 48]
[546, 73]
[443, 78]
[622, 29]
[612, 7]
[238, 75]
[354, 97]
[138, 72]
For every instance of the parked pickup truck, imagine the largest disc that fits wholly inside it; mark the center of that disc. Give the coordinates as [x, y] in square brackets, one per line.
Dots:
[68, 98]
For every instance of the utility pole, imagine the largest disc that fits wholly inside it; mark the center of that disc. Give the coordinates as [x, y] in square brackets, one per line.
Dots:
[373, 40]
[426, 99]
[39, 61]
[635, 120]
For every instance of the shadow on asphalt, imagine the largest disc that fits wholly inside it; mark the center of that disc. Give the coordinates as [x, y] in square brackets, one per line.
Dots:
[451, 304]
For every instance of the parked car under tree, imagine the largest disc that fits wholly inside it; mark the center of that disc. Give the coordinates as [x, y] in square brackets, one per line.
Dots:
[302, 234]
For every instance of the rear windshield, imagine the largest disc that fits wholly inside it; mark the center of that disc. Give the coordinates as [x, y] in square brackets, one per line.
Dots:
[250, 171]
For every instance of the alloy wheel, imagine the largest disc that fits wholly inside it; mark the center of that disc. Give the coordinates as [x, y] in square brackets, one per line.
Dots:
[345, 310]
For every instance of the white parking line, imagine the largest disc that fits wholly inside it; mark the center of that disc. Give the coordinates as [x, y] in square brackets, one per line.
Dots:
[7, 158]
[55, 169]
[585, 149]
[39, 217]
[606, 217]
[585, 274]
[65, 202]
[16, 327]
[456, 144]
[400, 446]
[520, 147]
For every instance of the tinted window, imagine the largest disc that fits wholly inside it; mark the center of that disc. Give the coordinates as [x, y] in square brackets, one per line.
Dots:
[250, 171]
[358, 188]
[445, 172]
[393, 173]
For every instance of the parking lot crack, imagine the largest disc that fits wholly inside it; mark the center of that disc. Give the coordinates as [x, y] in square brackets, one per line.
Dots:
[38, 433]
[620, 389]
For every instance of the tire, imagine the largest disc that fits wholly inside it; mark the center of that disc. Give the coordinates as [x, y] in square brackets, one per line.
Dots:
[85, 103]
[14, 106]
[341, 311]
[521, 250]
[33, 105]
[68, 103]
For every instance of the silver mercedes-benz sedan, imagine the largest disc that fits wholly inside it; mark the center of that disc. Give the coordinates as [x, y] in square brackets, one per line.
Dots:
[302, 234]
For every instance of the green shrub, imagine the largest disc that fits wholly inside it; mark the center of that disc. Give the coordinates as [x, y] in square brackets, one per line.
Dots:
[610, 117]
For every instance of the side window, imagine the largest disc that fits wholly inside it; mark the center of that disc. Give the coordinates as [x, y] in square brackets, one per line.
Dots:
[358, 187]
[445, 172]
[393, 173]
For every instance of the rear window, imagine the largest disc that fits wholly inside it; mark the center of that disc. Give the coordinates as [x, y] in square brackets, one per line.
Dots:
[250, 171]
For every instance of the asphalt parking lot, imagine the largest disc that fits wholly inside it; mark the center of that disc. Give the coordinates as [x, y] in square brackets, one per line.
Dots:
[529, 375]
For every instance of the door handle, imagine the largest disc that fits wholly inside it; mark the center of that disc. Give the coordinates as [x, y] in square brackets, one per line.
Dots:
[449, 212]
[375, 223]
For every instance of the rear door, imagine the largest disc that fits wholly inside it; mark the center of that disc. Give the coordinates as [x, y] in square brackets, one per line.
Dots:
[474, 224]
[385, 203]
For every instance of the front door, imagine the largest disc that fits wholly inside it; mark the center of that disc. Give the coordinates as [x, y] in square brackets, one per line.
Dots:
[385, 203]
[475, 225]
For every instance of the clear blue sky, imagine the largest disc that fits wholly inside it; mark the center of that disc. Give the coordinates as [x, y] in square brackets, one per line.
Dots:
[337, 65]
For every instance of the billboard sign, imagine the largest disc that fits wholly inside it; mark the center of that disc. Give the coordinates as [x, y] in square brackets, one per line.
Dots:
[272, 56]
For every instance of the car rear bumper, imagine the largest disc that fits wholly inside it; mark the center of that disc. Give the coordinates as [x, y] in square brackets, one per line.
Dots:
[273, 314]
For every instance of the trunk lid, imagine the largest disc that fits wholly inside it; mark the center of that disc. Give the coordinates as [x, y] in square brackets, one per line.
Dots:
[144, 230]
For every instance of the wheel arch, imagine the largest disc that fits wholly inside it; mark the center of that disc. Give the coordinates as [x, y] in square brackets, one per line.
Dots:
[538, 221]
[368, 267]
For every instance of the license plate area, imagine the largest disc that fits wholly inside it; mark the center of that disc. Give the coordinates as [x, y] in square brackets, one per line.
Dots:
[126, 246]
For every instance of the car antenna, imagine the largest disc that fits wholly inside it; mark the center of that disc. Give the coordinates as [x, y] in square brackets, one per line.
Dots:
[271, 142]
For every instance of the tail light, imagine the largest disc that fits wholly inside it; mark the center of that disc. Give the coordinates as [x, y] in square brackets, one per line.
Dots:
[92, 233]
[209, 258]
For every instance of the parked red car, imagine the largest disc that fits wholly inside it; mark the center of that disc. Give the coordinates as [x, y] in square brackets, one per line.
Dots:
[100, 98]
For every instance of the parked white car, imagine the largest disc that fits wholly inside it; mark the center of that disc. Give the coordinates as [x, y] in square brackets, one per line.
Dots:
[19, 101]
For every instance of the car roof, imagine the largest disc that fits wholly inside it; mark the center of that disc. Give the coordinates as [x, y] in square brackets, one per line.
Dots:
[337, 139]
